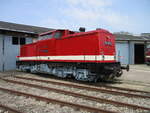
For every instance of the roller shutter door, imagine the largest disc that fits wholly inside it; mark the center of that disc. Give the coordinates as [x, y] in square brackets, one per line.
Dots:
[122, 50]
[11, 51]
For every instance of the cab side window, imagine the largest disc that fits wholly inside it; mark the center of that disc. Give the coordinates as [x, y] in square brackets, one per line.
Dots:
[47, 36]
[58, 35]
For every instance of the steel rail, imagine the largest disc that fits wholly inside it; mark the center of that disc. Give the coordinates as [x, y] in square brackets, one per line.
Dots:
[132, 83]
[123, 89]
[85, 87]
[135, 82]
[97, 99]
[56, 101]
[9, 109]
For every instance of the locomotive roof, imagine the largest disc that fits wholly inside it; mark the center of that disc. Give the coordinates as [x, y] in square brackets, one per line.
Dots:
[50, 31]
[76, 33]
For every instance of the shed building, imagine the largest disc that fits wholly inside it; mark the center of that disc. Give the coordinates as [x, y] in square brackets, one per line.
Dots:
[11, 37]
[131, 49]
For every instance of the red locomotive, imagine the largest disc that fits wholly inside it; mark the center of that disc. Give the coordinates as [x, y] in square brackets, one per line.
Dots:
[86, 56]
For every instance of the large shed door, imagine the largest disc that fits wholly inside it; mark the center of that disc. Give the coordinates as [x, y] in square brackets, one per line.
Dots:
[10, 53]
[139, 54]
[122, 50]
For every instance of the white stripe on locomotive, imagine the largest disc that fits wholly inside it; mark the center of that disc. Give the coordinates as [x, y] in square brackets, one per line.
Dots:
[77, 57]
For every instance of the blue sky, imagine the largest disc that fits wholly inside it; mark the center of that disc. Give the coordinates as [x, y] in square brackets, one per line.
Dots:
[115, 15]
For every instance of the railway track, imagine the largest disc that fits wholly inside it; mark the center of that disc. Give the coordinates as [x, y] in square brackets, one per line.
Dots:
[25, 82]
[133, 83]
[8, 109]
[119, 88]
[56, 101]
[101, 84]
[87, 87]
[108, 84]
[92, 98]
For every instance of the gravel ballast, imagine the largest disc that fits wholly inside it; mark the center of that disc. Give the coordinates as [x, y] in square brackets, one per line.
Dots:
[30, 105]
[130, 100]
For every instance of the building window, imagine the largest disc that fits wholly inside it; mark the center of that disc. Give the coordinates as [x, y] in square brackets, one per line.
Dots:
[15, 40]
[22, 41]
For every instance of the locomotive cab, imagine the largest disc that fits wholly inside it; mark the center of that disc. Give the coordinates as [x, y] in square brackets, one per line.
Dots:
[55, 34]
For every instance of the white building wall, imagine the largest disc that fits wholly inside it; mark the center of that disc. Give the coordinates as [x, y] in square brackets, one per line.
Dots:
[122, 52]
[8, 60]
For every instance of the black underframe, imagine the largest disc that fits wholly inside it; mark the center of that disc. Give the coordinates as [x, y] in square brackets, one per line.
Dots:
[94, 67]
